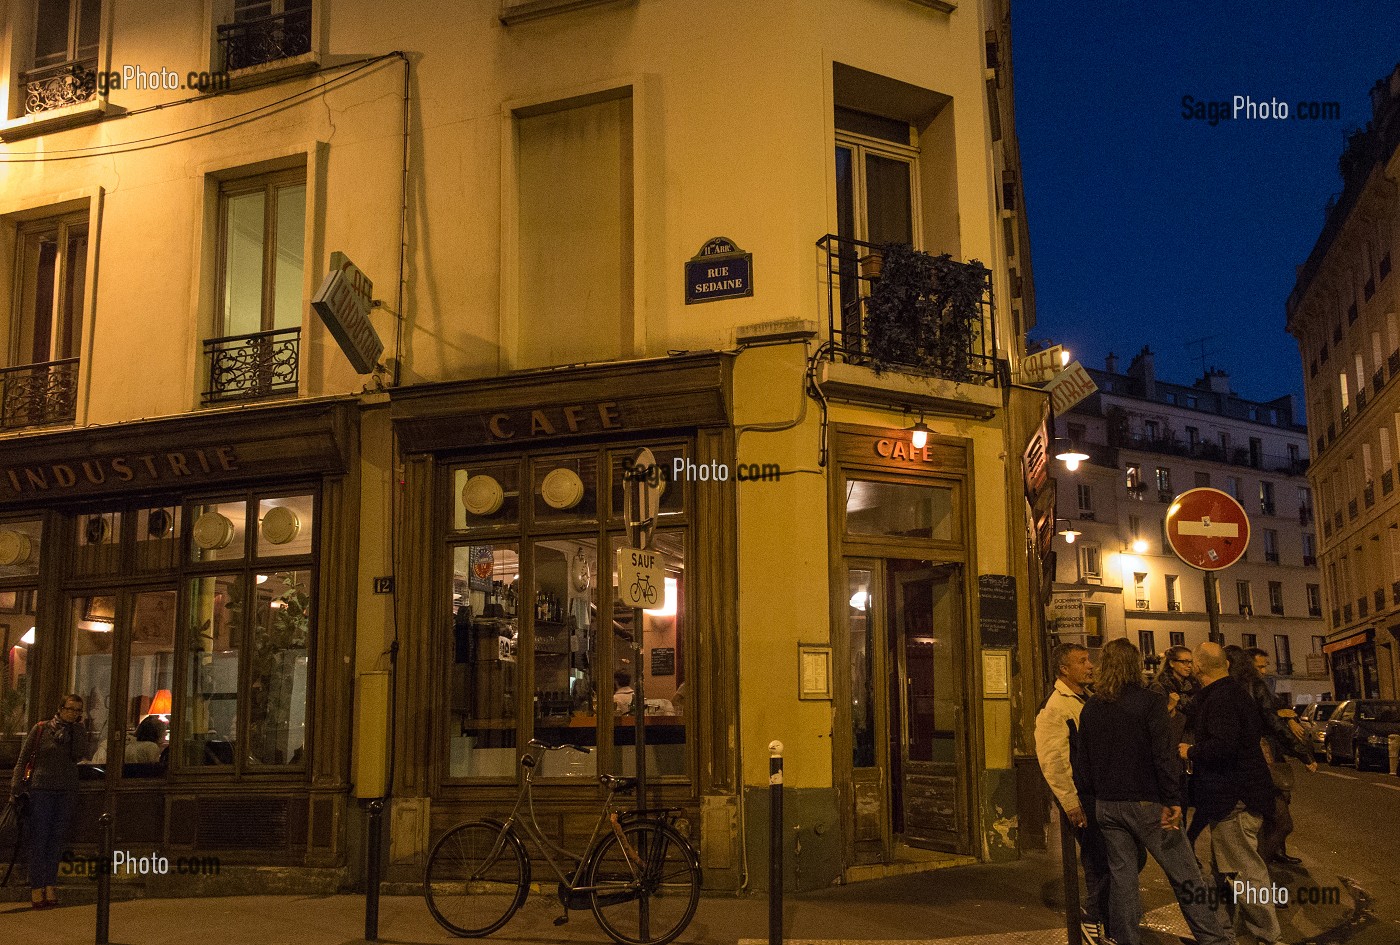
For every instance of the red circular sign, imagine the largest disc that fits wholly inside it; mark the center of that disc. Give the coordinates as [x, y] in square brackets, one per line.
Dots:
[1207, 528]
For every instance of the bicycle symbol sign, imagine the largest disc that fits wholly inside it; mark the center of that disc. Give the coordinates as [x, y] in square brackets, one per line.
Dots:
[641, 577]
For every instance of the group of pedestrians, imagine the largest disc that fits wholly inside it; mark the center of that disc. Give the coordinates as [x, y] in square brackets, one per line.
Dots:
[1125, 758]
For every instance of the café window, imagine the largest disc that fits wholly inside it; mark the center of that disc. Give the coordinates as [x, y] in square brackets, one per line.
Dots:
[542, 645]
[247, 624]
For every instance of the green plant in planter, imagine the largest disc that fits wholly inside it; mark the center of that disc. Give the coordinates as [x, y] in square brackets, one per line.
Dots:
[924, 312]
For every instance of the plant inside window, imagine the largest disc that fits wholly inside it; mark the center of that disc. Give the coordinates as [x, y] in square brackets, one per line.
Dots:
[925, 312]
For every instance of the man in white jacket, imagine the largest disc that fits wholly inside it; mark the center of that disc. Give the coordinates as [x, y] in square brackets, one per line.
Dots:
[1054, 727]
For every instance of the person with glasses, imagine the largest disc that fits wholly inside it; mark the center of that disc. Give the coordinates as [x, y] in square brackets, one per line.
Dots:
[47, 771]
[1178, 683]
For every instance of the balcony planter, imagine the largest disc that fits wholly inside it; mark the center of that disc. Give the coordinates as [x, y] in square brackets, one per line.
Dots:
[924, 312]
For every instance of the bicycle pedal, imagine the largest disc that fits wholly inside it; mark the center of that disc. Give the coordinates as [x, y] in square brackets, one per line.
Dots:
[562, 919]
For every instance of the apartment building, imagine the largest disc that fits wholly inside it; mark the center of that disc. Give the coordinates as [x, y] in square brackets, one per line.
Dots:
[1343, 312]
[1148, 441]
[549, 233]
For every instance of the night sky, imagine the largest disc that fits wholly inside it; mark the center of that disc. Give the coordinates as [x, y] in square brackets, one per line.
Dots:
[1148, 228]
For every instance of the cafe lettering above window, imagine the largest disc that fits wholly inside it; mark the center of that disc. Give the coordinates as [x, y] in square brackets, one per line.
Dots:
[553, 421]
[85, 474]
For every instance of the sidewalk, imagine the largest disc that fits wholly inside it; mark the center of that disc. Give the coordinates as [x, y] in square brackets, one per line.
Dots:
[1015, 904]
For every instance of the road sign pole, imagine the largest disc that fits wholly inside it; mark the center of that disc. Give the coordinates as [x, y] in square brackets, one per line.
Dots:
[640, 500]
[1213, 607]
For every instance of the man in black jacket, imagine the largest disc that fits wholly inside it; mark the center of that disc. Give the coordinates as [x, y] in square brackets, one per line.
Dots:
[1231, 787]
[1124, 760]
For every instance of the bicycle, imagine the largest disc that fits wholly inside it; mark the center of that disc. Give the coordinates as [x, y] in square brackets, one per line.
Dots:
[638, 874]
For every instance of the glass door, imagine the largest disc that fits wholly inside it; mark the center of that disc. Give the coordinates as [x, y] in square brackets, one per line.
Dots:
[928, 773]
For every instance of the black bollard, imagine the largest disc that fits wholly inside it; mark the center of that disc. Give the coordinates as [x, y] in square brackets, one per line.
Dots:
[104, 877]
[775, 840]
[375, 856]
[1069, 854]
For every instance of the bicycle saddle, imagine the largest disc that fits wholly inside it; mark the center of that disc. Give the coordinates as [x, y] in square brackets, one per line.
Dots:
[614, 783]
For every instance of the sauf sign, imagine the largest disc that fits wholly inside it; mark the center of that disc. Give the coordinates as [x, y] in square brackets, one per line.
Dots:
[343, 302]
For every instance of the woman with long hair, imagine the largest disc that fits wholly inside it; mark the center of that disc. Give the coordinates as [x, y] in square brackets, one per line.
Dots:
[1127, 761]
[48, 771]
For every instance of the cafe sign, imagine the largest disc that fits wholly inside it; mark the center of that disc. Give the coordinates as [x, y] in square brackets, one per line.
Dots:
[344, 302]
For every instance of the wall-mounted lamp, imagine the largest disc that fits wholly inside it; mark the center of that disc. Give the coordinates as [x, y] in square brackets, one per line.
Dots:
[1069, 454]
[1064, 358]
[918, 434]
[1139, 546]
[1067, 531]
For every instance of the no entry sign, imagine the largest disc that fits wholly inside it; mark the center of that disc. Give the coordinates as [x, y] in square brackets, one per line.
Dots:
[1207, 528]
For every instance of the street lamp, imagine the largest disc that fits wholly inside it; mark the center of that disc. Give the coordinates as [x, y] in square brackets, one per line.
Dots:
[1069, 454]
[918, 434]
[1068, 532]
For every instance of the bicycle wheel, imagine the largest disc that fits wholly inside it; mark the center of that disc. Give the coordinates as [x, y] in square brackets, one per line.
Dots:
[644, 892]
[477, 876]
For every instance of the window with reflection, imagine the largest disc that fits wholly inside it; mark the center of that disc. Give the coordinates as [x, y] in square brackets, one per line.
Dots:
[19, 636]
[485, 655]
[539, 640]
[90, 670]
[213, 627]
[900, 510]
[150, 683]
[660, 646]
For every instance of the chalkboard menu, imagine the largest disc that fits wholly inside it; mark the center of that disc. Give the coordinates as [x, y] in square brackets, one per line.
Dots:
[996, 596]
[663, 661]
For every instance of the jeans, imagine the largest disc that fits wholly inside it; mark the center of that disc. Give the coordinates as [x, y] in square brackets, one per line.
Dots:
[49, 815]
[1234, 848]
[1131, 826]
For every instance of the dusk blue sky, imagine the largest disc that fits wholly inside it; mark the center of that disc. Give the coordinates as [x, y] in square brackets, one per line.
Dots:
[1147, 228]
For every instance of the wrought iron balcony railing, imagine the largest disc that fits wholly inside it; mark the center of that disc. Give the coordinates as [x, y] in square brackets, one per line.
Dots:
[250, 367]
[266, 39]
[34, 395]
[68, 83]
[852, 271]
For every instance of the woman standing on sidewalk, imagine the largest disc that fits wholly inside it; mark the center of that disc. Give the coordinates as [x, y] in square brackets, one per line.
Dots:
[1127, 762]
[50, 757]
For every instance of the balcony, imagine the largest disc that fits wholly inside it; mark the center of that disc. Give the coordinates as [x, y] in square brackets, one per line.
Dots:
[1165, 496]
[1144, 604]
[252, 367]
[1337, 519]
[1271, 557]
[1361, 400]
[1393, 363]
[1309, 561]
[1346, 416]
[1346, 613]
[1395, 593]
[1369, 494]
[34, 395]
[1174, 606]
[52, 87]
[1336, 617]
[1377, 381]
[1267, 508]
[1305, 514]
[1363, 607]
[1284, 669]
[1314, 610]
[942, 346]
[1379, 598]
[1387, 482]
[267, 39]
[1351, 508]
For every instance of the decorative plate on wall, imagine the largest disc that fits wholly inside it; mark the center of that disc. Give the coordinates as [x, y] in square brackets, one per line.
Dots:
[159, 523]
[280, 525]
[482, 495]
[562, 489]
[95, 530]
[213, 531]
[15, 547]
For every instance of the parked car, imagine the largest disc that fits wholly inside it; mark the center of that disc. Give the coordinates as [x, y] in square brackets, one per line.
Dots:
[1313, 717]
[1358, 731]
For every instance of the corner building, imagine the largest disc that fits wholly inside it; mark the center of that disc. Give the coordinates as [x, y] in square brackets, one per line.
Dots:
[201, 495]
[1343, 311]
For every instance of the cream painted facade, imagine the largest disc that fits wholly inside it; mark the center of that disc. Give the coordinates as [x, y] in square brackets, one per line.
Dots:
[524, 183]
[1344, 312]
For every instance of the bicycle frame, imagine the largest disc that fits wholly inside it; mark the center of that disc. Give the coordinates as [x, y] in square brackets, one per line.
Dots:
[531, 828]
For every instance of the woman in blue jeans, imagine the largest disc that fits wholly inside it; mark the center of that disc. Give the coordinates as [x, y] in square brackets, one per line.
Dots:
[1127, 762]
[51, 753]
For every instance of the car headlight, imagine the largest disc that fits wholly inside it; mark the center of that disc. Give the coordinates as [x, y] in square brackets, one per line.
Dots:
[1375, 740]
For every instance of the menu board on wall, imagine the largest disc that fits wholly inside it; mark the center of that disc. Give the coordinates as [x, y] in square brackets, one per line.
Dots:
[996, 598]
[663, 661]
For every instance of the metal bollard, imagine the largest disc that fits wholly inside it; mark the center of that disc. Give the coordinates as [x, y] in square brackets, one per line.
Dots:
[1069, 854]
[775, 840]
[373, 869]
[104, 877]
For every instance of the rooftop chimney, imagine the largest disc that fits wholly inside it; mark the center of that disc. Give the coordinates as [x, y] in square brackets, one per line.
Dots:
[1142, 369]
[1215, 381]
[1110, 363]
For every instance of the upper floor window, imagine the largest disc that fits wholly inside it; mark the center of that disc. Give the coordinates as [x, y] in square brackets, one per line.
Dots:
[265, 31]
[46, 322]
[63, 70]
[262, 228]
[876, 187]
[1085, 494]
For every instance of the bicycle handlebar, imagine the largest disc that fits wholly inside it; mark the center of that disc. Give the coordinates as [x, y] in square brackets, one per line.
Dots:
[536, 743]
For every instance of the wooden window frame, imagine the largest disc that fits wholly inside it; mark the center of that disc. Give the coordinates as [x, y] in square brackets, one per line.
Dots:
[268, 184]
